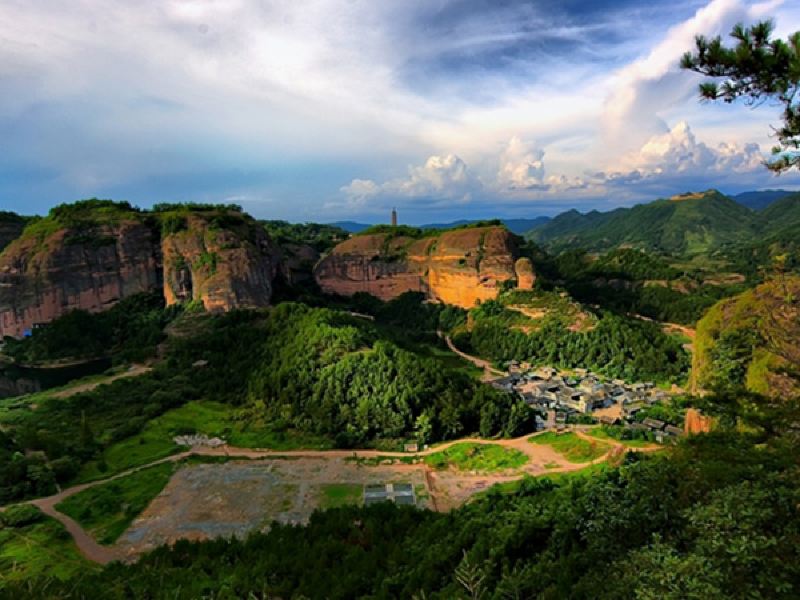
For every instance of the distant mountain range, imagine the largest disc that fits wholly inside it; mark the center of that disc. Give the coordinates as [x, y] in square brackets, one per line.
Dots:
[685, 224]
[518, 226]
[760, 200]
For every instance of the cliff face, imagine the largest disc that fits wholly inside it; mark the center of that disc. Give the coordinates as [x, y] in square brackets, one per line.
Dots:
[44, 276]
[696, 422]
[223, 259]
[457, 267]
[223, 265]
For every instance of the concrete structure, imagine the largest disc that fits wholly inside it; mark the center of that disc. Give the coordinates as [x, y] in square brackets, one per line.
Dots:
[399, 493]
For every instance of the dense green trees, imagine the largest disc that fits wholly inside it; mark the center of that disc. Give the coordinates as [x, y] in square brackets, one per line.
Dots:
[627, 280]
[319, 236]
[757, 68]
[616, 347]
[716, 518]
[130, 330]
[22, 476]
[337, 375]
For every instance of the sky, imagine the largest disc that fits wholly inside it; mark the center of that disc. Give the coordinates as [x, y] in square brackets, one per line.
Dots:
[327, 110]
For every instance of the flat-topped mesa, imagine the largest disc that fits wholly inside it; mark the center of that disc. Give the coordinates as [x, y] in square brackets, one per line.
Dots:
[224, 261]
[459, 267]
[51, 270]
[91, 254]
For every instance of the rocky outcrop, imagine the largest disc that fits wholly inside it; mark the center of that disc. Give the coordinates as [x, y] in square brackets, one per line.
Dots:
[696, 422]
[46, 274]
[297, 262]
[224, 266]
[223, 259]
[459, 267]
[525, 275]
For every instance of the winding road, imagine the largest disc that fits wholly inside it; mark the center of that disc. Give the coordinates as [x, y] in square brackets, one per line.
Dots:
[489, 372]
[100, 554]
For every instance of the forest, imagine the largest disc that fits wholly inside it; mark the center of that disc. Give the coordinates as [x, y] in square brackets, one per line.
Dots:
[717, 517]
[292, 368]
[627, 280]
[617, 347]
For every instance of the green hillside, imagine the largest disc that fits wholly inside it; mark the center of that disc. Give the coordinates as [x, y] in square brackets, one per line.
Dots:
[689, 224]
[750, 341]
[781, 215]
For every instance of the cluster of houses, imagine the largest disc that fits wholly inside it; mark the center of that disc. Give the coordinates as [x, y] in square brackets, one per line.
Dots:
[557, 394]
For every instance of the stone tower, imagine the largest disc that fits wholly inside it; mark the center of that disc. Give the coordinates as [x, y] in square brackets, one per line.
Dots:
[394, 217]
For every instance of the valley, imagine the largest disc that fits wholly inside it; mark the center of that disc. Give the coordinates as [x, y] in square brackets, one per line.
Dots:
[271, 381]
[218, 494]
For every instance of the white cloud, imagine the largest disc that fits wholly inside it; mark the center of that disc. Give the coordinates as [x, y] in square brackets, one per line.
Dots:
[521, 166]
[152, 97]
[678, 153]
[440, 178]
[645, 88]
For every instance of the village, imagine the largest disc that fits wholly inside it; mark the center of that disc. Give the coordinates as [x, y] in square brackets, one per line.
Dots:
[559, 397]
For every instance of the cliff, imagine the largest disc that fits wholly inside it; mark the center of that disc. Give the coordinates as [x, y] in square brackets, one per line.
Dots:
[47, 273]
[225, 262]
[751, 340]
[459, 267]
[91, 254]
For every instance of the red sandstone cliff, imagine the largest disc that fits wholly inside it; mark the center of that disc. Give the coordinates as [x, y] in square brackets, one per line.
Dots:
[45, 275]
[226, 267]
[223, 259]
[457, 267]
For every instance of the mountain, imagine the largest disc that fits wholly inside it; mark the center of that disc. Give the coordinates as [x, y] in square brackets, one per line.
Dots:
[518, 226]
[686, 224]
[760, 200]
[781, 215]
[91, 254]
[457, 267]
[751, 340]
[351, 226]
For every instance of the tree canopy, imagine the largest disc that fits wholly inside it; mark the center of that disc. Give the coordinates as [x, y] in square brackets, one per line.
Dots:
[756, 68]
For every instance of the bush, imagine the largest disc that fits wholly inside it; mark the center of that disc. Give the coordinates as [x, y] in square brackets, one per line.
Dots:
[21, 515]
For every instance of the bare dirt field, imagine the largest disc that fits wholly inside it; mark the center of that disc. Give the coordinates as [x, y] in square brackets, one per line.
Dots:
[232, 499]
[254, 488]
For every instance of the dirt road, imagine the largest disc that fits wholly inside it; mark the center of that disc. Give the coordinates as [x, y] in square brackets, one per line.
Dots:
[133, 371]
[489, 372]
[447, 488]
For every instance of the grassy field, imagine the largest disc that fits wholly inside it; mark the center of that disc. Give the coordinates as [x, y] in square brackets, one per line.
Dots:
[39, 549]
[108, 509]
[571, 447]
[335, 495]
[477, 457]
[601, 434]
[511, 487]
[211, 418]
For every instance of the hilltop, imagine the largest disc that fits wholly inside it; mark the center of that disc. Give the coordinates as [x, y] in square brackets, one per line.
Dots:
[460, 266]
[517, 226]
[750, 341]
[91, 254]
[688, 224]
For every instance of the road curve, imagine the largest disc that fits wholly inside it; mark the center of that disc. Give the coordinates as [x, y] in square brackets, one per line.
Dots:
[97, 553]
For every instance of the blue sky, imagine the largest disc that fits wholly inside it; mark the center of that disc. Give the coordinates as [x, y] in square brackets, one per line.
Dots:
[327, 110]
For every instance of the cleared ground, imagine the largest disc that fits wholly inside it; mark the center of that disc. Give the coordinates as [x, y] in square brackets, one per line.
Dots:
[232, 499]
[230, 491]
